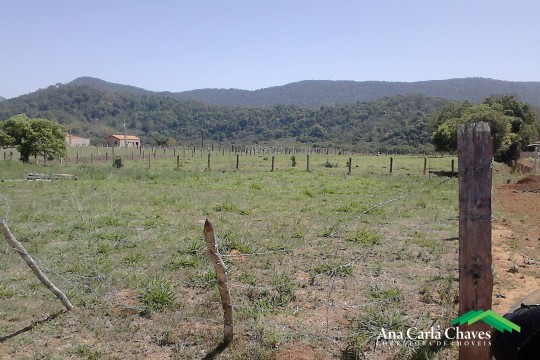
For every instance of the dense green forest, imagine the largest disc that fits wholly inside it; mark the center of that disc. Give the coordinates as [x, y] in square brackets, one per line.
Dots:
[316, 93]
[399, 122]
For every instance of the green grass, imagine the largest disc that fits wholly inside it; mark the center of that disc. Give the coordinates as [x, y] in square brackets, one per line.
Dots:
[313, 249]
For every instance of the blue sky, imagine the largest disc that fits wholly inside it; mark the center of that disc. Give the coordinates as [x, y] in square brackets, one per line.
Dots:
[179, 45]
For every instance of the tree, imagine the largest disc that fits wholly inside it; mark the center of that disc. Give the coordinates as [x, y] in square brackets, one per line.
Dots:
[33, 137]
[513, 125]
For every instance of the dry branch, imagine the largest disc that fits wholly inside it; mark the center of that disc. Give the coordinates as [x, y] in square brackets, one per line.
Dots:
[223, 285]
[35, 269]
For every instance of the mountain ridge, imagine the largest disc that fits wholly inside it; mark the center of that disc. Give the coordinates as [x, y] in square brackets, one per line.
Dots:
[315, 93]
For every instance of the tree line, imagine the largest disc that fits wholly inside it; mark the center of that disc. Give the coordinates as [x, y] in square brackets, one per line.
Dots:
[409, 123]
[393, 123]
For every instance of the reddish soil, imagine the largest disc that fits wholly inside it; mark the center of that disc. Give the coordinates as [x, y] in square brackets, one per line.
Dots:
[516, 241]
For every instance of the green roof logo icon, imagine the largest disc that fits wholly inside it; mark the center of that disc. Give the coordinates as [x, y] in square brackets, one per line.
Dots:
[490, 317]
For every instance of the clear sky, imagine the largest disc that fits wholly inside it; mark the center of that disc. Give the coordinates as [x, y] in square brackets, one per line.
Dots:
[179, 45]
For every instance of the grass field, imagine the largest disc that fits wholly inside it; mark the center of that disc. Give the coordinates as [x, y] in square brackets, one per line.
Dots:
[317, 261]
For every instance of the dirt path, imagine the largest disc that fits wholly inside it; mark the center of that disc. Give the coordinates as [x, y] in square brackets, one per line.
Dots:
[516, 241]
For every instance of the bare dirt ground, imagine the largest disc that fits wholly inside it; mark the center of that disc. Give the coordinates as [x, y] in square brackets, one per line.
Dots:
[516, 241]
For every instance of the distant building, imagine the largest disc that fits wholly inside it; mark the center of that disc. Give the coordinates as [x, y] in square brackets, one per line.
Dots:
[74, 140]
[123, 141]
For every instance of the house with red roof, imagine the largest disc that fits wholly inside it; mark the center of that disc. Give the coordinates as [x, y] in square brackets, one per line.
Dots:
[129, 141]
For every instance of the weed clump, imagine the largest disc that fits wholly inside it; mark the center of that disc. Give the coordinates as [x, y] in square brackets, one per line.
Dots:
[157, 294]
[365, 237]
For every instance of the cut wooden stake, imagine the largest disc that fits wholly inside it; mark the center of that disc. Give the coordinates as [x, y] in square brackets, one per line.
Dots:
[223, 285]
[13, 242]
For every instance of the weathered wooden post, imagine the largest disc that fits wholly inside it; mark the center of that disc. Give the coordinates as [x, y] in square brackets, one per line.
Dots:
[391, 164]
[425, 166]
[350, 166]
[178, 161]
[223, 285]
[106, 156]
[475, 151]
[208, 167]
[452, 167]
[307, 162]
[237, 161]
[273, 159]
[535, 169]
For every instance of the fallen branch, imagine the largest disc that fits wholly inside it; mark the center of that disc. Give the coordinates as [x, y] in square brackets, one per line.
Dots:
[223, 286]
[35, 269]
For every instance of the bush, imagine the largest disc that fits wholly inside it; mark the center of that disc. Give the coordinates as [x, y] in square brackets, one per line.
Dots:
[117, 162]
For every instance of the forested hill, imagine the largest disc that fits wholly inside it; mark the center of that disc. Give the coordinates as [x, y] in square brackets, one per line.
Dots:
[394, 122]
[2, 99]
[314, 93]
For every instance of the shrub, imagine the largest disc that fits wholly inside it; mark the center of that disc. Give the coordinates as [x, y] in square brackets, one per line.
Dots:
[117, 162]
[293, 161]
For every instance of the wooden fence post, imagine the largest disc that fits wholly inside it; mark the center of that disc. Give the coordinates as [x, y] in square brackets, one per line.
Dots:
[223, 286]
[273, 159]
[535, 169]
[237, 161]
[425, 165]
[350, 166]
[208, 168]
[391, 164]
[178, 161]
[475, 151]
[307, 162]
